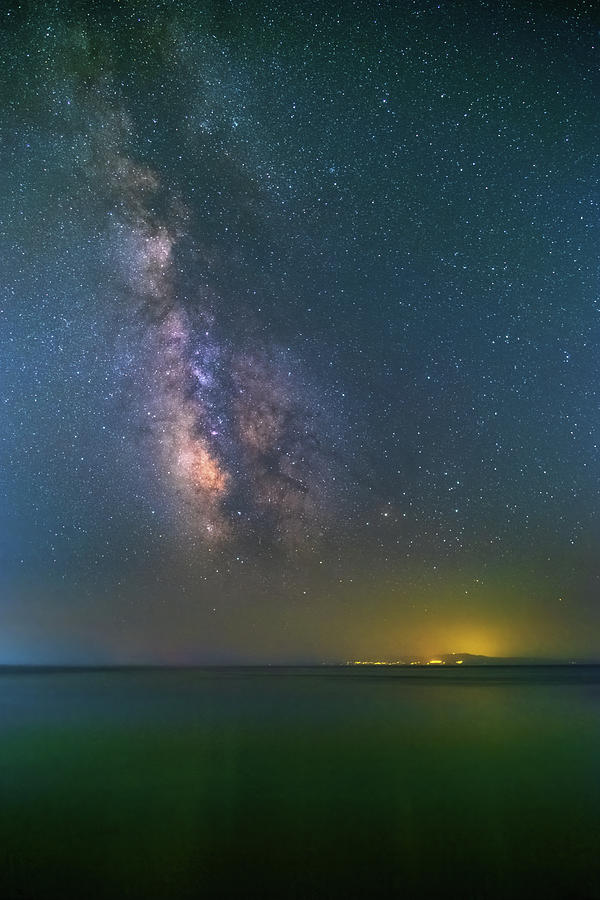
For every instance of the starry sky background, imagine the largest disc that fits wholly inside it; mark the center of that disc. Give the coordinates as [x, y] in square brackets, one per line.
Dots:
[299, 321]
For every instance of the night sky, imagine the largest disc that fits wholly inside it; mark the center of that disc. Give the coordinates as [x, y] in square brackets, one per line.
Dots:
[299, 322]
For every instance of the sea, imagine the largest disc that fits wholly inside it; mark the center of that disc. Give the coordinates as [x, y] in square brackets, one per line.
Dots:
[479, 782]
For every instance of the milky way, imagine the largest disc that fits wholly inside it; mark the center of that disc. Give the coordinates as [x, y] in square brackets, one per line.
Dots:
[231, 424]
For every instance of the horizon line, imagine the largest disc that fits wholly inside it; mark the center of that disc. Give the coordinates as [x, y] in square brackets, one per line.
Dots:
[298, 665]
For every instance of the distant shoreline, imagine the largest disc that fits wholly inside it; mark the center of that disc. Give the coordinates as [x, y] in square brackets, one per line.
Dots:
[158, 667]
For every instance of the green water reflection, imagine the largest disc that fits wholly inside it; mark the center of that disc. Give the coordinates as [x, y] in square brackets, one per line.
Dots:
[300, 784]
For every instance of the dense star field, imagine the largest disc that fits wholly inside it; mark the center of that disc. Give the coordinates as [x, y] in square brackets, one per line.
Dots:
[299, 326]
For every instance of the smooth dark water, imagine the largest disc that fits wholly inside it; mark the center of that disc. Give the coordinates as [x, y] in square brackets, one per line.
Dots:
[306, 783]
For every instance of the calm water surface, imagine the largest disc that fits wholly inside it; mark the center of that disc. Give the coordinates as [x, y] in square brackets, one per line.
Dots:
[306, 783]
